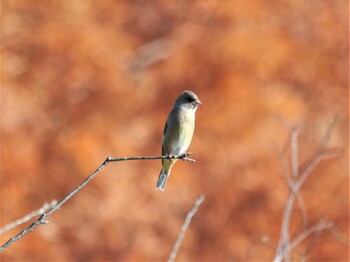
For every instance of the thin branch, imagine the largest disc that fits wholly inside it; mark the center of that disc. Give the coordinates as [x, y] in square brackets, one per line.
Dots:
[295, 182]
[27, 217]
[182, 156]
[314, 241]
[321, 154]
[284, 241]
[42, 218]
[322, 225]
[313, 162]
[184, 227]
[294, 151]
[285, 172]
[339, 236]
[302, 209]
[317, 230]
[328, 133]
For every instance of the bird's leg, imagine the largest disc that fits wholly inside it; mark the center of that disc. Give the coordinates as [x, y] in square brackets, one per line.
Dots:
[186, 154]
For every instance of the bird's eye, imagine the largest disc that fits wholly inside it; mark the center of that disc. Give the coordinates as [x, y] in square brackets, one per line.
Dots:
[190, 99]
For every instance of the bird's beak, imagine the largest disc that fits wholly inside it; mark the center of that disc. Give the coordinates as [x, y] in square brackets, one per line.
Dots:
[198, 103]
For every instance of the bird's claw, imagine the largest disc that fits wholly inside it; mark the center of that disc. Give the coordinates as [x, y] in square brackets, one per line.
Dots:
[185, 157]
[186, 154]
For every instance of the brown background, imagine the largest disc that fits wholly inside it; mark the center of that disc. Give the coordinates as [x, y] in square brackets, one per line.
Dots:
[83, 80]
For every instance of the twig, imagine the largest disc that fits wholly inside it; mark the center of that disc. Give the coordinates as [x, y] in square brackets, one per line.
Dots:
[310, 165]
[42, 218]
[317, 229]
[315, 238]
[27, 217]
[302, 209]
[282, 249]
[322, 225]
[295, 182]
[294, 151]
[184, 227]
[284, 237]
[328, 133]
[339, 236]
[182, 156]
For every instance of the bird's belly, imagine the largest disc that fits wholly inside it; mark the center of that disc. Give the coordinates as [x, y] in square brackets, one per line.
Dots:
[182, 141]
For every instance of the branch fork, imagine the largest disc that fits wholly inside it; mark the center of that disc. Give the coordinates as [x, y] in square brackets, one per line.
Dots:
[295, 176]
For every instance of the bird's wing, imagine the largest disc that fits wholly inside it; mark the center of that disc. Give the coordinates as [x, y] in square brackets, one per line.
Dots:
[164, 132]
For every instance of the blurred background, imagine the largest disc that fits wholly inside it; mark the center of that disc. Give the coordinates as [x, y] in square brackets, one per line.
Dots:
[83, 80]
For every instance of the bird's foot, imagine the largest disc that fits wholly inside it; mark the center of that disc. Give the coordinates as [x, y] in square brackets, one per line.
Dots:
[186, 154]
[186, 158]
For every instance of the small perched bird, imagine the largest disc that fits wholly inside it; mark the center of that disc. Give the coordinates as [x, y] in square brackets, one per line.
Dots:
[178, 132]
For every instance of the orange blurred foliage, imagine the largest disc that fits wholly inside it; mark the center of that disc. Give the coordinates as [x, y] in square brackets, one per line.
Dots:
[83, 80]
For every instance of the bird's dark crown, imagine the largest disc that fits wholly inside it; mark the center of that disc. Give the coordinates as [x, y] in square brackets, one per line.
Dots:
[189, 96]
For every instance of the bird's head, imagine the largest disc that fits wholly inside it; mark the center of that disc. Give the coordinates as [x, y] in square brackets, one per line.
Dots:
[188, 101]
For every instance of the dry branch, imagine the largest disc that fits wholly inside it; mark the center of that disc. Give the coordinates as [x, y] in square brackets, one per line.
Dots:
[295, 180]
[42, 218]
[184, 227]
[26, 218]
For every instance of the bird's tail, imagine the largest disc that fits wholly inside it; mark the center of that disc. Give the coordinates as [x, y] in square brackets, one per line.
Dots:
[164, 174]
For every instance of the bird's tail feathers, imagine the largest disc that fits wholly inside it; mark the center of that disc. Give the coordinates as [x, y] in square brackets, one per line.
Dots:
[164, 174]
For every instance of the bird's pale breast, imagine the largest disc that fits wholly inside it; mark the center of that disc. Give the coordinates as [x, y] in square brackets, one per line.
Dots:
[179, 133]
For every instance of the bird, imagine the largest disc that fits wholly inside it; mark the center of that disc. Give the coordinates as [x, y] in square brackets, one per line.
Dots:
[178, 132]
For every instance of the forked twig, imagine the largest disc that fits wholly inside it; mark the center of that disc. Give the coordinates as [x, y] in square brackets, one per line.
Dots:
[322, 225]
[26, 218]
[299, 174]
[42, 218]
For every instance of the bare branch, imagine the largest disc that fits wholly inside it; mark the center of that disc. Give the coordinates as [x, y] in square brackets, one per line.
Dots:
[315, 238]
[182, 156]
[42, 218]
[285, 236]
[282, 250]
[294, 151]
[328, 133]
[321, 154]
[339, 236]
[302, 208]
[322, 225]
[27, 217]
[310, 165]
[285, 172]
[184, 227]
[295, 182]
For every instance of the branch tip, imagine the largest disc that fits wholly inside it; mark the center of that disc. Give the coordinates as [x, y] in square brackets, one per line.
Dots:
[43, 221]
